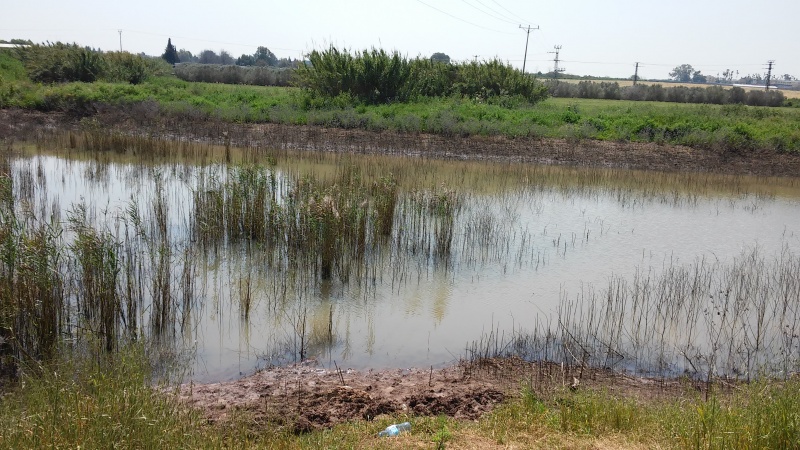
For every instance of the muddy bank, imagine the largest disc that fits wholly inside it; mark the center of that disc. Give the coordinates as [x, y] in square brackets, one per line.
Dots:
[632, 155]
[305, 397]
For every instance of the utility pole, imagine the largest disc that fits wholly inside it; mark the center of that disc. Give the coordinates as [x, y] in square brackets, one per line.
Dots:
[476, 57]
[556, 70]
[769, 72]
[636, 74]
[120, 40]
[527, 36]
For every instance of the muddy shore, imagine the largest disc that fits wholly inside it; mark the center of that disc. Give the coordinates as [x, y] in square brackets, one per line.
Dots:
[588, 153]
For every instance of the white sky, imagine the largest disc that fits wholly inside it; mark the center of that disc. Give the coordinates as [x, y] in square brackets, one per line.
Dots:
[602, 38]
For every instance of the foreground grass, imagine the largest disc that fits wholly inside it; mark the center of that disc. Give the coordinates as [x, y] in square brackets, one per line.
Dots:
[111, 404]
[732, 128]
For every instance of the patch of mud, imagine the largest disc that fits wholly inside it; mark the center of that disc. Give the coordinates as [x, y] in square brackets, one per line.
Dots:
[304, 397]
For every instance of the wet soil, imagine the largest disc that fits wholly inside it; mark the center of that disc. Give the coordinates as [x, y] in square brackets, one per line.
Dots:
[305, 397]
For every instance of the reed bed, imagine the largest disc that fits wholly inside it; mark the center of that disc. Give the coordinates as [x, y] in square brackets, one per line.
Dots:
[706, 320]
[280, 232]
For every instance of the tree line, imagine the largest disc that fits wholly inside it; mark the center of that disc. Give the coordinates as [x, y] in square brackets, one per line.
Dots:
[263, 56]
[718, 95]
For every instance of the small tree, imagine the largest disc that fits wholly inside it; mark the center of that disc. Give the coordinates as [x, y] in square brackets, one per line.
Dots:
[170, 54]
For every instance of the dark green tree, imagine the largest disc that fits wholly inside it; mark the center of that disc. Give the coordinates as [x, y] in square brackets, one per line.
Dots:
[440, 57]
[264, 57]
[682, 73]
[246, 60]
[170, 54]
[698, 77]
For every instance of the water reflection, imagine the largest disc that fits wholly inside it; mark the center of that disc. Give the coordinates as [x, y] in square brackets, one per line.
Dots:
[513, 246]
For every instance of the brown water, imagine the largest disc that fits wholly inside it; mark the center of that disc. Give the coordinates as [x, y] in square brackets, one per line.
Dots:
[521, 249]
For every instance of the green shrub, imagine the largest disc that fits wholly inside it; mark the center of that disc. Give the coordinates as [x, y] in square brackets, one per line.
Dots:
[125, 67]
[375, 77]
[59, 62]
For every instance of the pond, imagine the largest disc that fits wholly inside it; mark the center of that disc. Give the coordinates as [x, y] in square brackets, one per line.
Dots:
[383, 262]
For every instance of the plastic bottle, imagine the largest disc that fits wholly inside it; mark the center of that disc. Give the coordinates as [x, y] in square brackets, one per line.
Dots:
[395, 429]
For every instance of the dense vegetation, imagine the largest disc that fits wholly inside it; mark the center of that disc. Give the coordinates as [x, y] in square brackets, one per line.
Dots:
[365, 91]
[59, 63]
[376, 77]
[716, 95]
[229, 74]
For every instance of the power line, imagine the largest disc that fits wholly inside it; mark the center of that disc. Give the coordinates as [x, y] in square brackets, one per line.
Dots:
[506, 9]
[490, 15]
[511, 18]
[460, 19]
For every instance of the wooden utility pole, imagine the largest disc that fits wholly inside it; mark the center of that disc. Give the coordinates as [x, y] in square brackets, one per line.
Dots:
[527, 36]
[636, 74]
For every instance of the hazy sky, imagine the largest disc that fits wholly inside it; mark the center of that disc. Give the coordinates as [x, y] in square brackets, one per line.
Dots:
[597, 37]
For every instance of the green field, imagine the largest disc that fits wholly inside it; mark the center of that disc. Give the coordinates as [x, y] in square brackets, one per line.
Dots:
[735, 128]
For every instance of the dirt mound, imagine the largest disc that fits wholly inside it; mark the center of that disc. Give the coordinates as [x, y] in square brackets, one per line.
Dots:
[307, 398]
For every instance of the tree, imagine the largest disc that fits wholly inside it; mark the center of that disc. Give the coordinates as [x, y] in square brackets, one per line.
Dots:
[186, 56]
[264, 57]
[170, 54]
[440, 57]
[698, 77]
[787, 77]
[682, 73]
[209, 57]
[246, 60]
[225, 57]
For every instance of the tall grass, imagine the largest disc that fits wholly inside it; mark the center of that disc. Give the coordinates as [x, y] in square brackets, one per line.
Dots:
[87, 403]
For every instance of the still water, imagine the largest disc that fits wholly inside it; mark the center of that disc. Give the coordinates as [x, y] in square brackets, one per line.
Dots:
[521, 247]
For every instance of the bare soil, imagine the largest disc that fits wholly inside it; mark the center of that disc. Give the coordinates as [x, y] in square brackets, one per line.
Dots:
[305, 397]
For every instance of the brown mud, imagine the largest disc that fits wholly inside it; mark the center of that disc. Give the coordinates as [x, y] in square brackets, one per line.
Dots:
[305, 397]
[573, 152]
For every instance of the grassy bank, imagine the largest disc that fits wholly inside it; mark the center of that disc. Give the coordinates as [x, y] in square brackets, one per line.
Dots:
[91, 404]
[732, 128]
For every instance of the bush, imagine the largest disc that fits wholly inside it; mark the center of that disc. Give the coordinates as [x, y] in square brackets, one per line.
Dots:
[375, 77]
[125, 67]
[58, 62]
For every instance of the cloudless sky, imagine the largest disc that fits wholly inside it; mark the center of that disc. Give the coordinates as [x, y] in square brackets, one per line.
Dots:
[601, 38]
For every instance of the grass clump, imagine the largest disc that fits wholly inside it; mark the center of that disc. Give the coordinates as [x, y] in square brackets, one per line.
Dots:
[87, 403]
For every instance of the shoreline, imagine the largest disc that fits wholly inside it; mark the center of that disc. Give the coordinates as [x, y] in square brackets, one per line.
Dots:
[549, 151]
